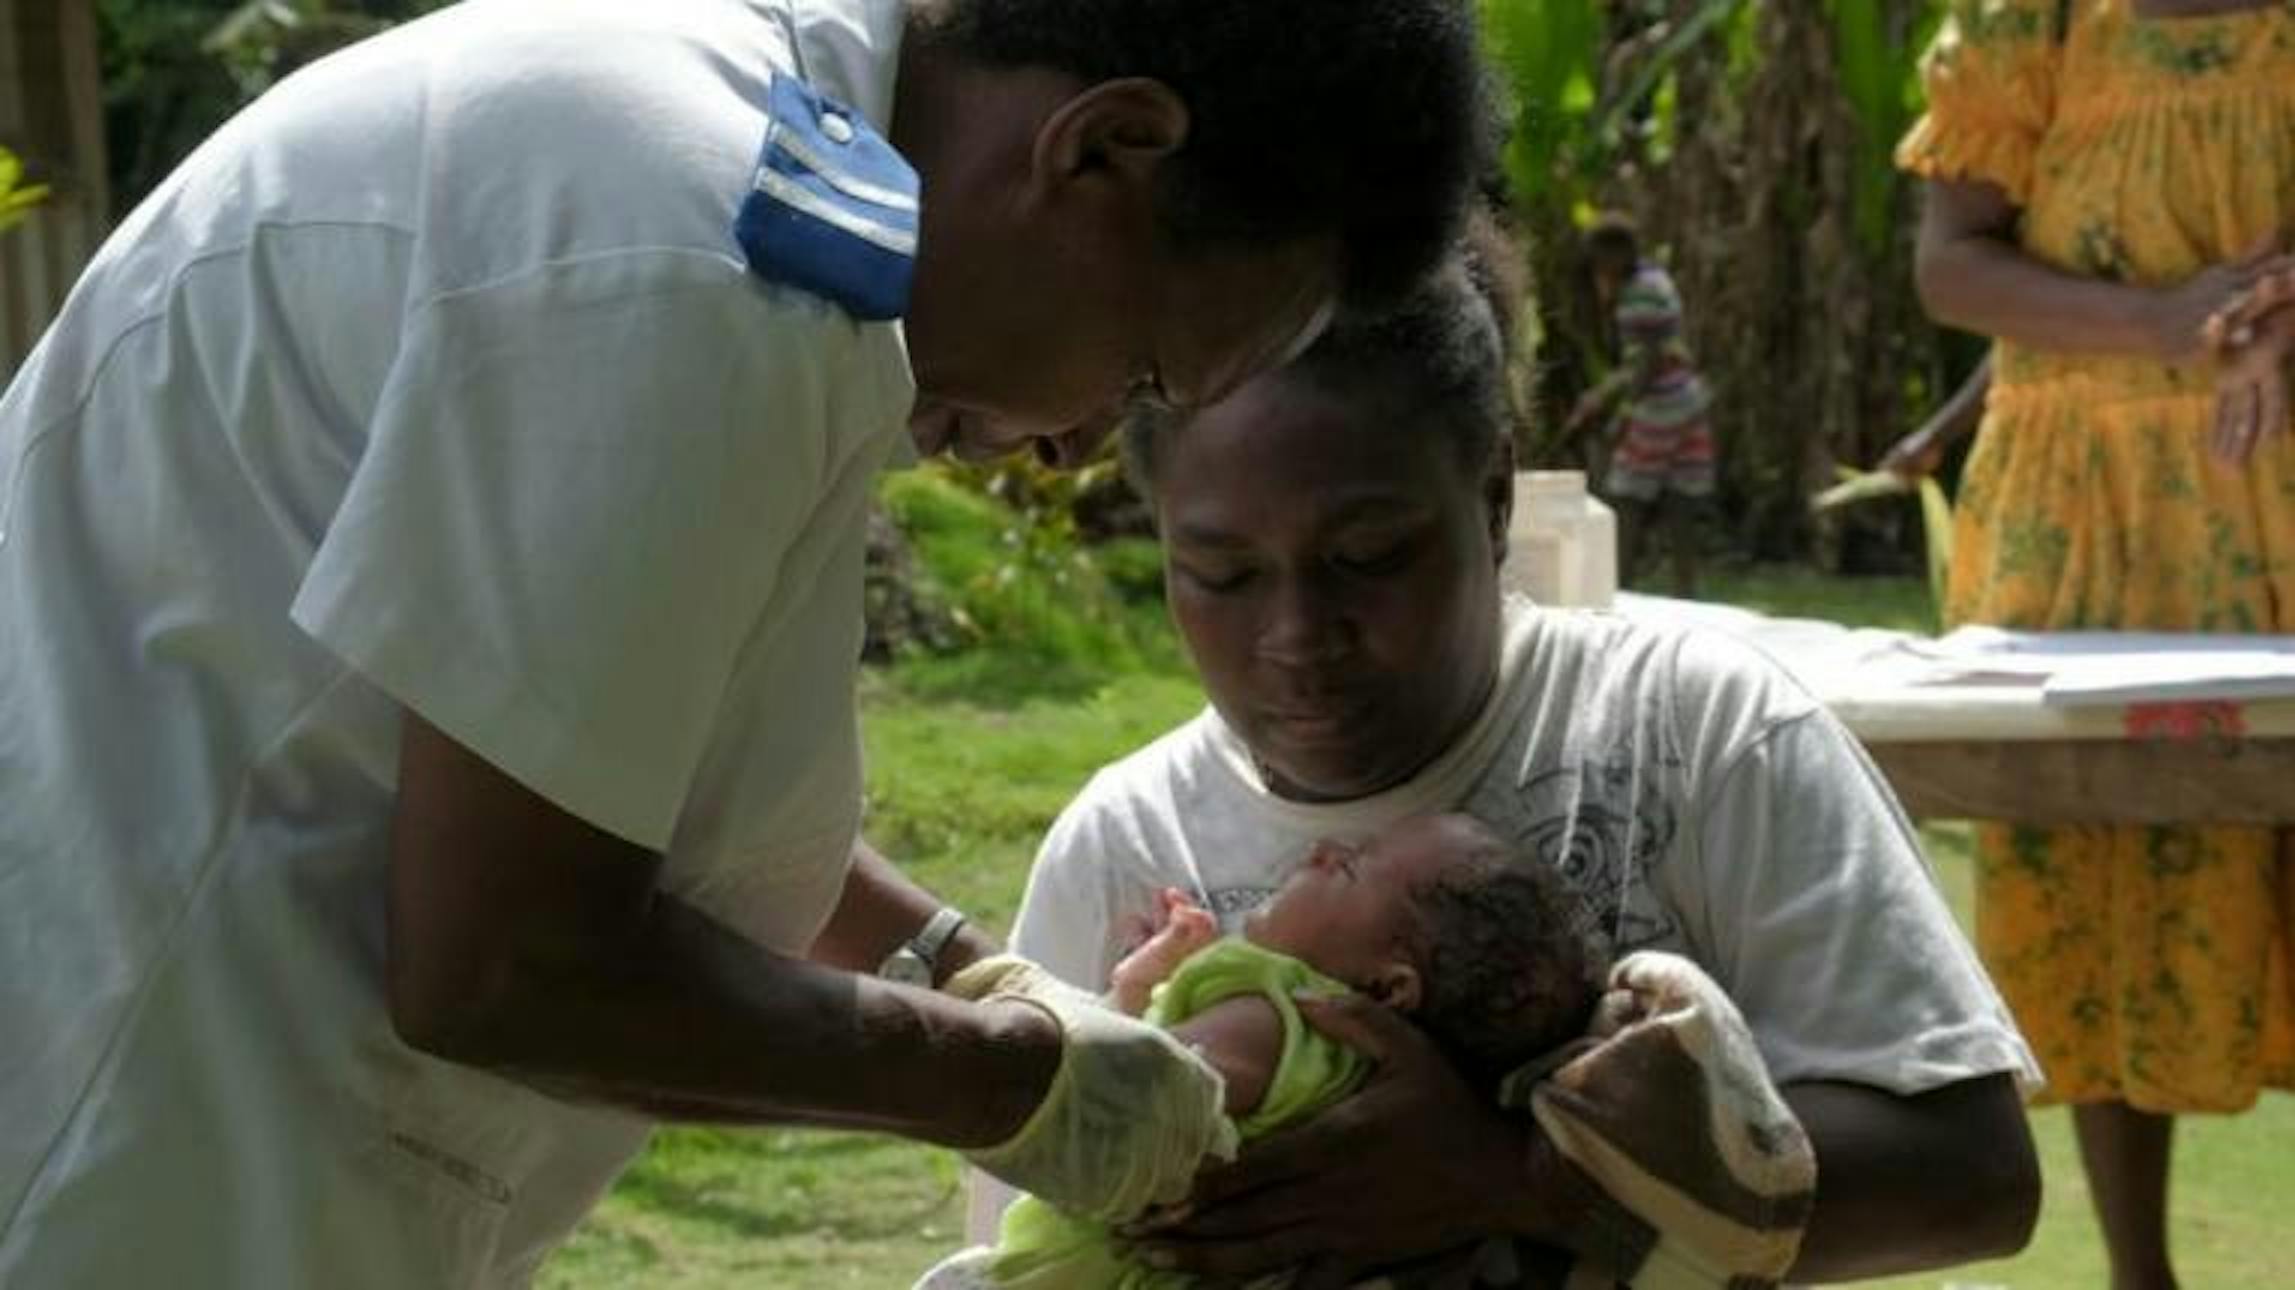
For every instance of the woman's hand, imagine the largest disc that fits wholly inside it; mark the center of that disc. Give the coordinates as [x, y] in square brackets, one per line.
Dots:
[1414, 1164]
[2183, 317]
[2256, 338]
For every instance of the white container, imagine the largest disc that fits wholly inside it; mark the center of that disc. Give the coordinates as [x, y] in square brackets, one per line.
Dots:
[1562, 547]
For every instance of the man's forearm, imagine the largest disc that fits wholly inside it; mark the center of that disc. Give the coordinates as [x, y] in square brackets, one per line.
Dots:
[686, 1020]
[879, 911]
[1906, 1184]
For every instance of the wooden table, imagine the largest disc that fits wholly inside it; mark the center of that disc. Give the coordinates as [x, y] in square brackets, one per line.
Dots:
[2216, 780]
[1999, 753]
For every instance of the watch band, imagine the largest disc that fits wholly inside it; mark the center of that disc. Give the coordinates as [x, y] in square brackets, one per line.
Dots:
[933, 938]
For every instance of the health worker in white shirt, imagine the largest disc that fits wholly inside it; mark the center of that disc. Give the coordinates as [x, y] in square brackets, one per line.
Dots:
[430, 594]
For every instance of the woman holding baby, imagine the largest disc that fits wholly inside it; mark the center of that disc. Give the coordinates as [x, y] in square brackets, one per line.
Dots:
[2111, 193]
[1332, 538]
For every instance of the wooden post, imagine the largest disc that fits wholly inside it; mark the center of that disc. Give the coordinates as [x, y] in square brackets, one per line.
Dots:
[51, 116]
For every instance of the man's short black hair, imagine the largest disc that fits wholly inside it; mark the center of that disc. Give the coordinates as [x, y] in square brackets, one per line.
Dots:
[1364, 118]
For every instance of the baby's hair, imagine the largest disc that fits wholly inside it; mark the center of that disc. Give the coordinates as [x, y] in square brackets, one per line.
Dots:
[1509, 972]
[1434, 364]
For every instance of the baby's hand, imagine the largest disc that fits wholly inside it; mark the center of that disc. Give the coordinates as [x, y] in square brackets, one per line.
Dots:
[2254, 339]
[1183, 928]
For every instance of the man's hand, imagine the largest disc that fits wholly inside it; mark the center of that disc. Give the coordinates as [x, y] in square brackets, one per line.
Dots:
[1131, 1113]
[1414, 1164]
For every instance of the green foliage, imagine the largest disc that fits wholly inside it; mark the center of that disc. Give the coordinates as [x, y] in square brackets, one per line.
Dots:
[262, 40]
[1549, 52]
[174, 70]
[17, 198]
[1879, 72]
[999, 546]
[1573, 113]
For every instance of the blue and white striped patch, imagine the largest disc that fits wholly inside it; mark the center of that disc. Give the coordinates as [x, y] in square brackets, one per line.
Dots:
[832, 209]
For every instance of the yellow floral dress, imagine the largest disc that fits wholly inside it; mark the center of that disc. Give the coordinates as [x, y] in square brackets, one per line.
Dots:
[2146, 965]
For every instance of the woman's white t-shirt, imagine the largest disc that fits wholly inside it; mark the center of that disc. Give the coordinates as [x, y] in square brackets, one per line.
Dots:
[1700, 800]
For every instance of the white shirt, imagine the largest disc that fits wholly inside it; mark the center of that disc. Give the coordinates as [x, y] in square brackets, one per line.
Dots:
[1699, 799]
[435, 379]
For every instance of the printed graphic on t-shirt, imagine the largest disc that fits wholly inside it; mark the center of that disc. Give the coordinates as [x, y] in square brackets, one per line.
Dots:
[1608, 822]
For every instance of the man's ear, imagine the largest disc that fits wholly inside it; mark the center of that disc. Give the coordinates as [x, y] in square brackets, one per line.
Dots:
[1498, 496]
[1397, 985]
[1122, 128]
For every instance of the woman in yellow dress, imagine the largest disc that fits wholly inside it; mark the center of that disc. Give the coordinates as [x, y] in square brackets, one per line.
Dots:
[2104, 177]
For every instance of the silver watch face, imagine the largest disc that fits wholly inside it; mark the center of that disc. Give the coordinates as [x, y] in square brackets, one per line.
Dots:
[907, 967]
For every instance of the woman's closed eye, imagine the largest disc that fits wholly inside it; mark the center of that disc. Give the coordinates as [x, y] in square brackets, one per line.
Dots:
[1374, 556]
[1212, 576]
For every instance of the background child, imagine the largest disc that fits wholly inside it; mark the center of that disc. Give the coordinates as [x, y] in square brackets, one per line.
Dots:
[1662, 464]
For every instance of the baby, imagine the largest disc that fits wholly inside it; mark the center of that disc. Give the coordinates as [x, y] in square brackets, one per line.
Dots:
[1434, 916]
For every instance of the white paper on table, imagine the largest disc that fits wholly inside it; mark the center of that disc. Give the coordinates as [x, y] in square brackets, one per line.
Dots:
[2064, 669]
[2078, 669]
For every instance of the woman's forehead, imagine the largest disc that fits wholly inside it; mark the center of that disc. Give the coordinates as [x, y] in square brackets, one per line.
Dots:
[1284, 435]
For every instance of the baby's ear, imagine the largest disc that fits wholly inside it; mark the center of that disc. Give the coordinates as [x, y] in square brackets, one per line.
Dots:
[1397, 985]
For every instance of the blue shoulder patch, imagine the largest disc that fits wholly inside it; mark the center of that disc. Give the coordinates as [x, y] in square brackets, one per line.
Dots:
[832, 209]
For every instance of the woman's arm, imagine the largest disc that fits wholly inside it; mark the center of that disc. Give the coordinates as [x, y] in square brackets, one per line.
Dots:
[1911, 1183]
[1973, 276]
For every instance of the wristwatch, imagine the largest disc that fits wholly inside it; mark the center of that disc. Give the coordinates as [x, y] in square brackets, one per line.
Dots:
[917, 962]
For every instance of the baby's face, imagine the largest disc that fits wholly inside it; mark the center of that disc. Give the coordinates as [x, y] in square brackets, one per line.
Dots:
[1346, 910]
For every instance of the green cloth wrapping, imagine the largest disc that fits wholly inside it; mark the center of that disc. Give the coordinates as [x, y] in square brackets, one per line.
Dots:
[1041, 1247]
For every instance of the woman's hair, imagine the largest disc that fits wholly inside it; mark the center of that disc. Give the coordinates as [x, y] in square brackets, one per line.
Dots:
[1435, 363]
[1365, 118]
[1509, 971]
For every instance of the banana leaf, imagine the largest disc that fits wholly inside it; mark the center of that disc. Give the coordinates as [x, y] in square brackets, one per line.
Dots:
[1857, 486]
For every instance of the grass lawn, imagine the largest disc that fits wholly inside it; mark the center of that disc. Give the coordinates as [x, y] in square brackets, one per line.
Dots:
[961, 790]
